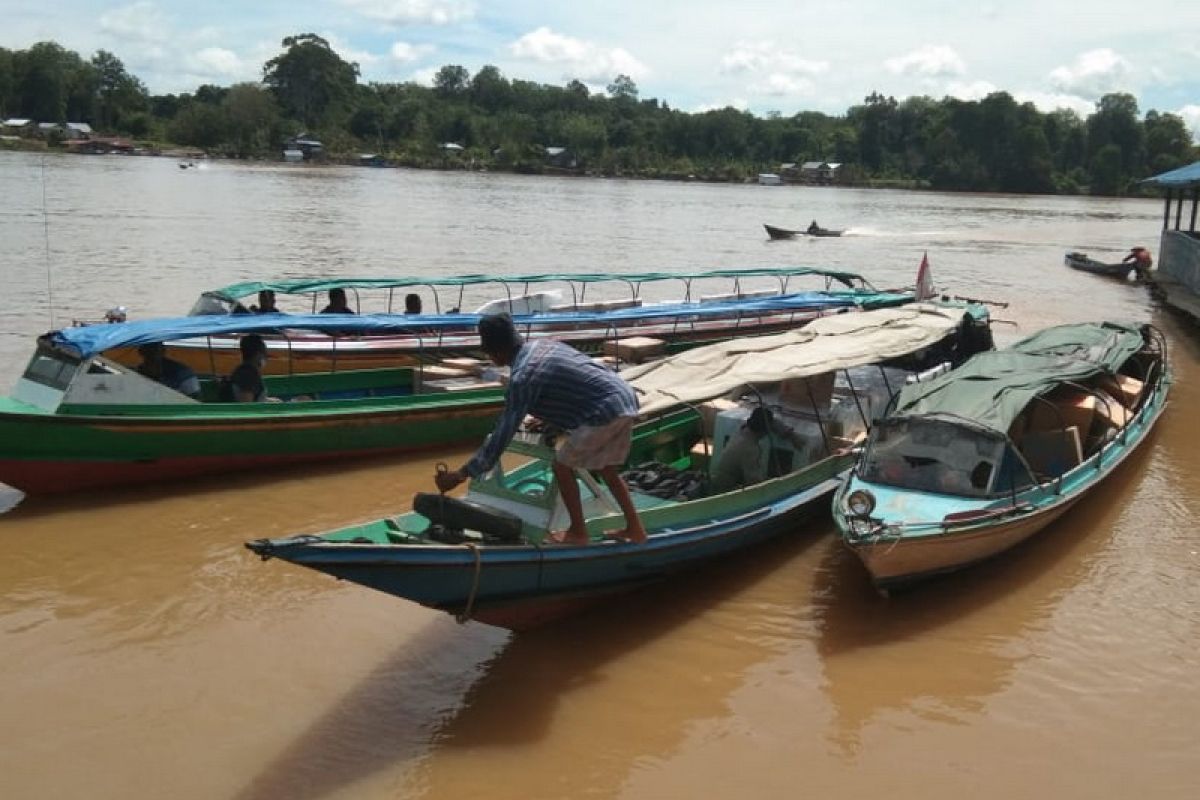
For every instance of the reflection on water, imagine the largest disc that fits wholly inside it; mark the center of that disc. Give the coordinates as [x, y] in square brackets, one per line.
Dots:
[141, 638]
[948, 644]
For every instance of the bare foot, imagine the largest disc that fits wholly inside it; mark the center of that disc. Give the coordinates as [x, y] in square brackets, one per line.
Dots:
[632, 535]
[567, 537]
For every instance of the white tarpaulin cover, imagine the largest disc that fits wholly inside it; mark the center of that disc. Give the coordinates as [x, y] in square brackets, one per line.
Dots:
[830, 343]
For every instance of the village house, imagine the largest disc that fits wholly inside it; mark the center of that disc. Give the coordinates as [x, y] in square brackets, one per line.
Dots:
[822, 173]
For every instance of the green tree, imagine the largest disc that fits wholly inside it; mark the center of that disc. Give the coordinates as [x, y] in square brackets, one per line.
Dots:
[119, 95]
[8, 82]
[490, 90]
[451, 81]
[199, 124]
[1168, 142]
[44, 74]
[251, 119]
[1115, 125]
[623, 87]
[310, 81]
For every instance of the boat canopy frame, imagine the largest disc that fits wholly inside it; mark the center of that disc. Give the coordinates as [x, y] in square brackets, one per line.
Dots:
[577, 282]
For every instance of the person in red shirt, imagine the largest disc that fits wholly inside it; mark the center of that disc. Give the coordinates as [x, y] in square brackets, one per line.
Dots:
[1141, 260]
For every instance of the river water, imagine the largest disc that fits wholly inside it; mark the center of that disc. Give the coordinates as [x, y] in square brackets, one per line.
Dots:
[145, 653]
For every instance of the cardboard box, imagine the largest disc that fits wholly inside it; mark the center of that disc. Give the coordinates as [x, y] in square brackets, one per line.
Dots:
[1061, 410]
[635, 349]
[437, 373]
[1051, 453]
[709, 411]
[457, 385]
[803, 392]
[1124, 388]
[471, 366]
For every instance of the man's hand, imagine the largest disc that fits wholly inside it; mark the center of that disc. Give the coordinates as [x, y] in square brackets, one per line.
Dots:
[448, 479]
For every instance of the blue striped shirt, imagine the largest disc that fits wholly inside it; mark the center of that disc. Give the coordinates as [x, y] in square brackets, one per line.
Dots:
[560, 385]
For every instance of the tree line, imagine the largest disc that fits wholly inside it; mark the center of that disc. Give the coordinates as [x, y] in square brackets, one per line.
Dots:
[993, 144]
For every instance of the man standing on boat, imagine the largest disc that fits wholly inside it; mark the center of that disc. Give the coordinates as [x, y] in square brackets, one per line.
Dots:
[561, 386]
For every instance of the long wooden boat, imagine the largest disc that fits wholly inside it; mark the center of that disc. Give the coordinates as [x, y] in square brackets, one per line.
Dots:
[975, 461]
[78, 420]
[583, 309]
[486, 557]
[1081, 262]
[787, 233]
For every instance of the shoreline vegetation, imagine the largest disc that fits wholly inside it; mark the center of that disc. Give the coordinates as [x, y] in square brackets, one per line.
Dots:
[312, 105]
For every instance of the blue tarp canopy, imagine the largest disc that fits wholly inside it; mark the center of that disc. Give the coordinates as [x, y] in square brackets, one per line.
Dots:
[1180, 178]
[93, 339]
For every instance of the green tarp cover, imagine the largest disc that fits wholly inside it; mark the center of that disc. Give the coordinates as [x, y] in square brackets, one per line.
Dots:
[315, 285]
[993, 388]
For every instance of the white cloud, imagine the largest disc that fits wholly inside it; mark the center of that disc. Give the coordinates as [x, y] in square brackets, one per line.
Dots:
[975, 90]
[352, 54]
[579, 59]
[780, 84]
[140, 22]
[738, 103]
[217, 61]
[405, 53]
[754, 57]
[425, 76]
[1191, 118]
[1093, 74]
[930, 61]
[1049, 101]
[414, 12]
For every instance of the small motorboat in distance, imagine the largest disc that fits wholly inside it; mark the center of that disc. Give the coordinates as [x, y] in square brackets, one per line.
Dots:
[780, 233]
[787, 233]
[1081, 262]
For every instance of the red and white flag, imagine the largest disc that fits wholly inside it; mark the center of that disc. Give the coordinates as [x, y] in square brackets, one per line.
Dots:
[924, 289]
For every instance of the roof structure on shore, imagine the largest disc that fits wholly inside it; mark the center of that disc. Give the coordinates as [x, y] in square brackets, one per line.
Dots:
[1180, 178]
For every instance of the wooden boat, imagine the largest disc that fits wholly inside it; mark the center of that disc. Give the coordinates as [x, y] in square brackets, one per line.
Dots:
[78, 420]
[787, 233]
[977, 460]
[1081, 262]
[781, 233]
[486, 557]
[572, 308]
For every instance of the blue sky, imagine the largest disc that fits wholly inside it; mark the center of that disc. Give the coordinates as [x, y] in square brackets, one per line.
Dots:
[761, 55]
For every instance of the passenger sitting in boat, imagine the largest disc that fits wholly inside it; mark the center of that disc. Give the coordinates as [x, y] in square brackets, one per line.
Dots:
[412, 304]
[170, 373]
[245, 383]
[337, 303]
[266, 303]
[741, 461]
[563, 387]
[1141, 260]
[813, 227]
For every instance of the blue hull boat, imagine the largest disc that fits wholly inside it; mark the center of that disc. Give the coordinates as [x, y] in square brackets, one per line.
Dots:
[982, 458]
[487, 557]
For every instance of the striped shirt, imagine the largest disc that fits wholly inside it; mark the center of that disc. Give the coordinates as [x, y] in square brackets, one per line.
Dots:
[560, 385]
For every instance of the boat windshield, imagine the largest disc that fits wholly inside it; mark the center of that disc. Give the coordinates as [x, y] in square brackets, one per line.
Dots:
[931, 455]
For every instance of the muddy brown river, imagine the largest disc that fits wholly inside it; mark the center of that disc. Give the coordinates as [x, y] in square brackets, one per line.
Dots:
[145, 653]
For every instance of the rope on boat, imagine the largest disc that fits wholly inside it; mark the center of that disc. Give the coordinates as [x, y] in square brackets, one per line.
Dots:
[465, 615]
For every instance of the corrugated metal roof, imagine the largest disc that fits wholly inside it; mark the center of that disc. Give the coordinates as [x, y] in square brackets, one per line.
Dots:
[1182, 177]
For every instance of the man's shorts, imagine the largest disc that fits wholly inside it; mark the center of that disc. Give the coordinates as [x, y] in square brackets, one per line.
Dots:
[597, 447]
